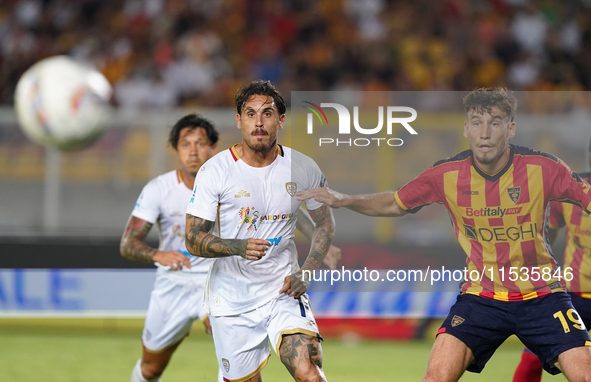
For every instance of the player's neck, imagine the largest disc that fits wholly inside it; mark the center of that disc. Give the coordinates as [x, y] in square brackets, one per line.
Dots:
[187, 178]
[493, 168]
[257, 158]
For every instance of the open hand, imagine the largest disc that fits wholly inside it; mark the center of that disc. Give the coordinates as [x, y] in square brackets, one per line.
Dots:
[324, 195]
[174, 259]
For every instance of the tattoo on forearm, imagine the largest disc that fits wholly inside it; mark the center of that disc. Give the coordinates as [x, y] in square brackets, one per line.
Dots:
[304, 223]
[132, 246]
[323, 235]
[201, 243]
[300, 351]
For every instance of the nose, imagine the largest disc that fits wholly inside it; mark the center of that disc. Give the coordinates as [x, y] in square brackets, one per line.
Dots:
[485, 131]
[259, 121]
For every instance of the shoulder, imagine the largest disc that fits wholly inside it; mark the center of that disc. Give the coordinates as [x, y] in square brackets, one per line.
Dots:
[297, 158]
[164, 181]
[219, 162]
[531, 154]
[465, 157]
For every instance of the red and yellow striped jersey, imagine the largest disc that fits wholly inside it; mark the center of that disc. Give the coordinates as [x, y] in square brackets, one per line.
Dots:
[500, 219]
[577, 252]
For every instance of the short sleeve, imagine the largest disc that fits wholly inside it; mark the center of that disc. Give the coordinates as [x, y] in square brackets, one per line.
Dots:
[568, 186]
[419, 192]
[307, 175]
[205, 199]
[147, 206]
[556, 217]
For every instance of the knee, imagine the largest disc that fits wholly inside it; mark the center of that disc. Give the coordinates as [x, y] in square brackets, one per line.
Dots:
[311, 374]
[151, 370]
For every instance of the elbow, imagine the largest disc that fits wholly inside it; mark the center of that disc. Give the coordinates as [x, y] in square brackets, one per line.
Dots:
[123, 248]
[192, 246]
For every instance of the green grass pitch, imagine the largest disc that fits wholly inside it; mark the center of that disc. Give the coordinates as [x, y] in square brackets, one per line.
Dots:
[97, 350]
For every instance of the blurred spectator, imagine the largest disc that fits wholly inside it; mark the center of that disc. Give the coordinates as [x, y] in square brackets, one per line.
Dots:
[193, 52]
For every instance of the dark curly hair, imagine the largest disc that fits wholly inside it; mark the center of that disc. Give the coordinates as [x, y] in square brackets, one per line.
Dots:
[192, 121]
[484, 99]
[259, 87]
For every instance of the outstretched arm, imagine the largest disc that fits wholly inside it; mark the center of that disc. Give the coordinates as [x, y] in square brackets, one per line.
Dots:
[382, 204]
[296, 285]
[306, 226]
[201, 243]
[133, 248]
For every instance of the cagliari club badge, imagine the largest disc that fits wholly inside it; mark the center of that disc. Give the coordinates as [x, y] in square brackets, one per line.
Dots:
[292, 188]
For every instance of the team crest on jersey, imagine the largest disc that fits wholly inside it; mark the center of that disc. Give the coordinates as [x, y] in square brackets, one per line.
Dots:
[514, 193]
[457, 320]
[292, 188]
[226, 364]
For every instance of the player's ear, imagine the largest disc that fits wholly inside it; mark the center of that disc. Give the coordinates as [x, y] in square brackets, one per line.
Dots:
[281, 121]
[465, 129]
[511, 132]
[238, 121]
[214, 148]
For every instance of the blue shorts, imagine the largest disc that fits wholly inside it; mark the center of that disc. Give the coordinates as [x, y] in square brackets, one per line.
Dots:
[548, 326]
[583, 307]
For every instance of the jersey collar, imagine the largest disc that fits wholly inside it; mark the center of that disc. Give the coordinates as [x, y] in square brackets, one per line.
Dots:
[236, 157]
[497, 175]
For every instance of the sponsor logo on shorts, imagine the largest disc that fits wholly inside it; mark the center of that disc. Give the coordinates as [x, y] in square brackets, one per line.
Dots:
[292, 188]
[514, 193]
[311, 323]
[148, 334]
[226, 364]
[456, 321]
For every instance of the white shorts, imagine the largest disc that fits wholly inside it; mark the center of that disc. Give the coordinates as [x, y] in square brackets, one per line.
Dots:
[175, 303]
[242, 340]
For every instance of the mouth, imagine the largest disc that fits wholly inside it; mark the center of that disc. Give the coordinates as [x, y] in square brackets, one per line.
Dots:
[485, 148]
[259, 133]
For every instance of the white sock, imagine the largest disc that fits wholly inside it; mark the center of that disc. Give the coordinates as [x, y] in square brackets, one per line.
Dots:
[137, 376]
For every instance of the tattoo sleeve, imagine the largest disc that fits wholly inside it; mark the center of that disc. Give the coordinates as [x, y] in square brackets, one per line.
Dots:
[322, 237]
[132, 246]
[201, 243]
[299, 353]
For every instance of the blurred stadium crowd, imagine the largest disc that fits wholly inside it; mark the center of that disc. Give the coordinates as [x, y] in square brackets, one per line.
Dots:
[166, 53]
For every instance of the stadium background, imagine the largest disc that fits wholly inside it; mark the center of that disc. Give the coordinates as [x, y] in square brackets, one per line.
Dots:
[61, 215]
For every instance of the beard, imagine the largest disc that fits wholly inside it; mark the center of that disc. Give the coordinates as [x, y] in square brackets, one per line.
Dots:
[487, 159]
[259, 147]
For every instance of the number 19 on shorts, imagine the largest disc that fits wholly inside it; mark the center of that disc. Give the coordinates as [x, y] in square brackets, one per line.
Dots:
[573, 316]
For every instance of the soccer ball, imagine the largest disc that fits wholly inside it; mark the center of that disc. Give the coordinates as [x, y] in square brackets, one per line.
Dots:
[62, 103]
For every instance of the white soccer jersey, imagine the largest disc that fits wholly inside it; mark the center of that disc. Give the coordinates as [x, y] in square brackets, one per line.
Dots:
[164, 201]
[252, 202]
